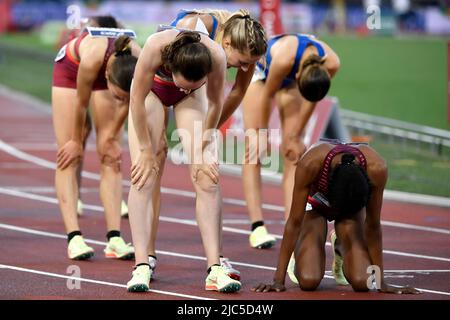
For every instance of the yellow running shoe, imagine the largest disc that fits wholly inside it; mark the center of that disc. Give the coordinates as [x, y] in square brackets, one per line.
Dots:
[338, 263]
[78, 250]
[123, 209]
[80, 207]
[291, 269]
[261, 239]
[118, 249]
[140, 282]
[218, 280]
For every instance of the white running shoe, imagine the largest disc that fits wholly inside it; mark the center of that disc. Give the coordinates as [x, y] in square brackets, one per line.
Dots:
[78, 249]
[140, 282]
[118, 249]
[232, 272]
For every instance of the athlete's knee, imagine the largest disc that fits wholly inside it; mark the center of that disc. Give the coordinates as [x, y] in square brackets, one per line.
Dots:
[110, 154]
[292, 151]
[309, 281]
[148, 187]
[111, 161]
[204, 183]
[358, 281]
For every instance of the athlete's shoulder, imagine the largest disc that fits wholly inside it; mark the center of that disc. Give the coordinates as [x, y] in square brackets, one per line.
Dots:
[313, 158]
[284, 50]
[376, 164]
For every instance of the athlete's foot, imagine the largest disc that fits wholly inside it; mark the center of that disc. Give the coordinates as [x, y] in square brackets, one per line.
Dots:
[78, 249]
[140, 282]
[218, 280]
[261, 239]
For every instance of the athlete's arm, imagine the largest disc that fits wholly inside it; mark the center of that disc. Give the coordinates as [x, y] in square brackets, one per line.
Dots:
[378, 174]
[124, 104]
[237, 93]
[305, 174]
[91, 61]
[281, 64]
[214, 89]
[148, 62]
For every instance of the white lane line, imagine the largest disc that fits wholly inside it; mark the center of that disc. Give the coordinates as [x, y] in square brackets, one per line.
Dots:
[44, 189]
[418, 271]
[19, 166]
[180, 255]
[105, 283]
[178, 192]
[193, 223]
[414, 227]
[436, 292]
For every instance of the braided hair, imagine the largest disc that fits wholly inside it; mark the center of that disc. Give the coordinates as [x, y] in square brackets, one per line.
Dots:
[246, 34]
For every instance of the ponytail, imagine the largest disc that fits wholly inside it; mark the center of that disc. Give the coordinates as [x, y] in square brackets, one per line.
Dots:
[183, 38]
[122, 46]
[122, 68]
[314, 81]
[188, 56]
[348, 158]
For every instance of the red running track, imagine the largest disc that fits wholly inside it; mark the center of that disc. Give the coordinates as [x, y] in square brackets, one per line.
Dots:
[33, 263]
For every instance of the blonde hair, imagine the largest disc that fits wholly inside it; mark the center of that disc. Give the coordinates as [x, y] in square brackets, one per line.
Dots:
[246, 34]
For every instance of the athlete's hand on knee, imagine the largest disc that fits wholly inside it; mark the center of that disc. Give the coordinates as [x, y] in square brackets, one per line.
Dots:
[143, 168]
[163, 148]
[211, 170]
[292, 149]
[68, 153]
[389, 288]
[262, 287]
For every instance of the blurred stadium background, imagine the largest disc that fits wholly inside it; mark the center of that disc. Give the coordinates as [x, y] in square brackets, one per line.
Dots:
[392, 89]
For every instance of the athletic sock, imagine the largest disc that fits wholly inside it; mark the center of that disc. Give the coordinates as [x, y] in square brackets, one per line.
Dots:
[257, 224]
[209, 269]
[112, 233]
[73, 234]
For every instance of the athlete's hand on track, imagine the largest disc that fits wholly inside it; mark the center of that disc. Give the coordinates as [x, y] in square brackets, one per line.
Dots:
[389, 288]
[68, 153]
[144, 168]
[276, 286]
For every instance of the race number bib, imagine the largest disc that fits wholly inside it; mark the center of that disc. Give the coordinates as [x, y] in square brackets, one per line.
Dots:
[110, 32]
[61, 54]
